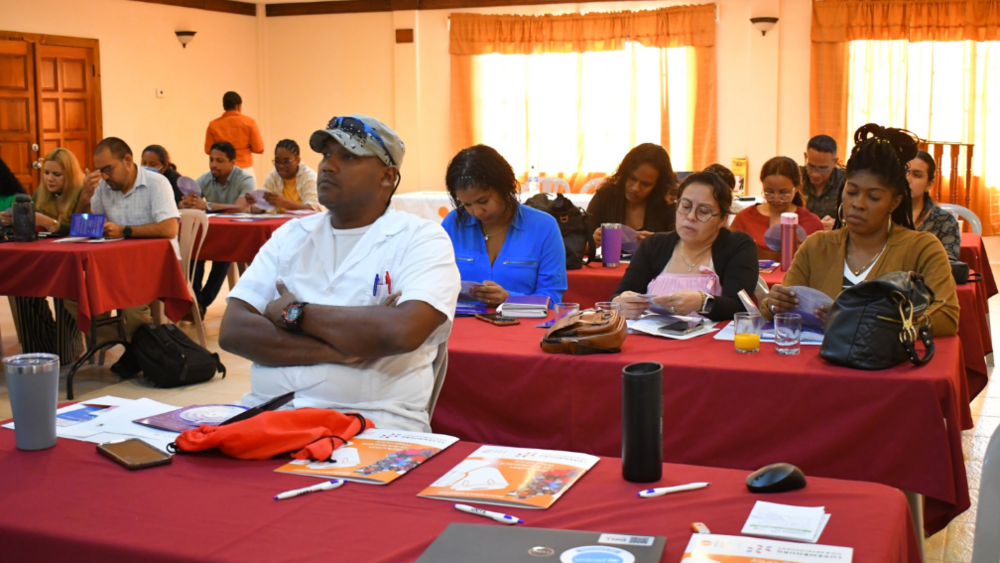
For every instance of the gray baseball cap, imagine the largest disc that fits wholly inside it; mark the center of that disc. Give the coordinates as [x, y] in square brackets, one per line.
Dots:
[360, 135]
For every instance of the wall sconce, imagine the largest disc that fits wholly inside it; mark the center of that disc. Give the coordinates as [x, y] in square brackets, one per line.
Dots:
[185, 37]
[763, 25]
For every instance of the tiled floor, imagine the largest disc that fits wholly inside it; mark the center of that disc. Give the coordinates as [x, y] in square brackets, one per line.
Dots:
[953, 545]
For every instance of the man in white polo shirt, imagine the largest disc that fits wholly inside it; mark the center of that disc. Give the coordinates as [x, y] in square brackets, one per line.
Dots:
[311, 312]
[137, 203]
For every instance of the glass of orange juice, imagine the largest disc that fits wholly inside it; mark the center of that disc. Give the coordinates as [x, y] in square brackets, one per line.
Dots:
[748, 327]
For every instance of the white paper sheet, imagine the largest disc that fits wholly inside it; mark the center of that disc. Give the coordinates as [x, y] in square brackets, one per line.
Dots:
[807, 338]
[782, 521]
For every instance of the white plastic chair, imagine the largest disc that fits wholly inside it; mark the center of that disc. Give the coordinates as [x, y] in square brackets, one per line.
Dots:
[592, 185]
[550, 185]
[194, 228]
[964, 213]
[986, 543]
[440, 366]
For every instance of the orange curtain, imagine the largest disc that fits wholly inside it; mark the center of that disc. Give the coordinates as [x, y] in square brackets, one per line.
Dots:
[838, 23]
[679, 26]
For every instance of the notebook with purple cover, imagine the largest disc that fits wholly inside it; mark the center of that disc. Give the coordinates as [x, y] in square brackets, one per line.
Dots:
[191, 417]
[527, 302]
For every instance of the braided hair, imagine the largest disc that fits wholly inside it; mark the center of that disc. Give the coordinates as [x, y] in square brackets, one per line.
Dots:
[483, 167]
[289, 145]
[884, 152]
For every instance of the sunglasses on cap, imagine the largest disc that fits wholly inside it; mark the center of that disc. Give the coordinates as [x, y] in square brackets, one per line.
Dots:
[361, 131]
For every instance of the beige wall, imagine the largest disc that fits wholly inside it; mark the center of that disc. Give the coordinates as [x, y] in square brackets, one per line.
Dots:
[763, 81]
[296, 72]
[140, 53]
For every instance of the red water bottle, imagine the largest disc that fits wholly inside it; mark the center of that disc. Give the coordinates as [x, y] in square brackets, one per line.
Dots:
[789, 239]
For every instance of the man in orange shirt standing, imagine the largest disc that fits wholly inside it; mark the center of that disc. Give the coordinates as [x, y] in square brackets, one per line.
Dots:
[236, 129]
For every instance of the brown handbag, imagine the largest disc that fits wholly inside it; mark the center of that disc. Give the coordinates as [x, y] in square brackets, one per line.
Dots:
[586, 332]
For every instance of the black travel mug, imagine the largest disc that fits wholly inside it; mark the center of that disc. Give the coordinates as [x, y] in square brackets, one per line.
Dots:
[642, 422]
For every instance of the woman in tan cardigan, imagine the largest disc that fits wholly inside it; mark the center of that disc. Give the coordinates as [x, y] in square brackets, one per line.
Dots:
[874, 234]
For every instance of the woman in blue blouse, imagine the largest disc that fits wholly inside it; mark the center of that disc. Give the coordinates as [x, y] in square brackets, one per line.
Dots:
[508, 248]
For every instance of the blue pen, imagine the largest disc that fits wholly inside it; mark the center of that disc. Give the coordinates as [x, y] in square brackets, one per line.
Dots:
[375, 287]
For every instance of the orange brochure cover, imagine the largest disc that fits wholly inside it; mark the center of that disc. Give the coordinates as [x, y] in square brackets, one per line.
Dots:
[376, 456]
[713, 548]
[513, 477]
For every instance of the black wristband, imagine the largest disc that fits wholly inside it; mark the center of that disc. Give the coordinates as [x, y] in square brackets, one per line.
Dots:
[127, 232]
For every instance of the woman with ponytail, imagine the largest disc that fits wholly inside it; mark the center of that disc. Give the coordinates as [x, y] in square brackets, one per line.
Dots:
[874, 233]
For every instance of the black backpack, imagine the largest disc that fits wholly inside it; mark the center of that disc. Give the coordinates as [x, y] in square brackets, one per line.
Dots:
[170, 359]
[577, 238]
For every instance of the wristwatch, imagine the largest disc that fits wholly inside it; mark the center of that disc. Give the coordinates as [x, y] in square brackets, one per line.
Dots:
[208, 206]
[707, 302]
[127, 232]
[293, 315]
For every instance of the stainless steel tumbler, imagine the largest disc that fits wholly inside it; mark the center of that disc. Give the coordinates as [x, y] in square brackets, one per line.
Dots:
[33, 383]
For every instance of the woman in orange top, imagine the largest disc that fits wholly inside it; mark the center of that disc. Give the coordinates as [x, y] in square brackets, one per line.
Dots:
[781, 179]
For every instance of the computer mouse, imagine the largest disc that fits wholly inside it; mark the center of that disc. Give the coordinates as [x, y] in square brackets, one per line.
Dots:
[776, 478]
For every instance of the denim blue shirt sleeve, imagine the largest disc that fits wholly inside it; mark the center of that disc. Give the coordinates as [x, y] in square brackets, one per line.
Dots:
[531, 262]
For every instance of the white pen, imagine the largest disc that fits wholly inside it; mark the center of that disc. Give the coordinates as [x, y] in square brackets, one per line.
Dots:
[502, 518]
[650, 493]
[324, 486]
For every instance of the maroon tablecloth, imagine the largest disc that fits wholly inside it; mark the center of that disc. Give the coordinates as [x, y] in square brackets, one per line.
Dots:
[973, 329]
[70, 503]
[591, 284]
[973, 253]
[101, 277]
[232, 240]
[900, 427]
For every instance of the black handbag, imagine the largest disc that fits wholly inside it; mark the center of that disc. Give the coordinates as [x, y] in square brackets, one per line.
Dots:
[960, 271]
[578, 240]
[875, 324]
[169, 358]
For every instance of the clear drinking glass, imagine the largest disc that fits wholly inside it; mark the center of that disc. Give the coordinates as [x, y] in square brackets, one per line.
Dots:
[747, 327]
[607, 306]
[563, 309]
[787, 333]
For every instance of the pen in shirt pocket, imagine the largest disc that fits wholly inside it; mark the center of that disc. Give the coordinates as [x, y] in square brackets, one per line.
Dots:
[375, 287]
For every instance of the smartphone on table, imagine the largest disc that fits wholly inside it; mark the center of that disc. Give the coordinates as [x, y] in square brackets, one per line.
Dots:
[134, 454]
[499, 320]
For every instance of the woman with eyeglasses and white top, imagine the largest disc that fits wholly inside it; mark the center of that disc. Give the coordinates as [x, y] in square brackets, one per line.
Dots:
[291, 186]
[697, 269]
[781, 179]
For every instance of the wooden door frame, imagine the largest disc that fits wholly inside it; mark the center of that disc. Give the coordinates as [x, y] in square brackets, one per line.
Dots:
[64, 41]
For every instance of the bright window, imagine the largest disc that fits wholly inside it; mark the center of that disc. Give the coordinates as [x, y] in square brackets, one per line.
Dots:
[579, 113]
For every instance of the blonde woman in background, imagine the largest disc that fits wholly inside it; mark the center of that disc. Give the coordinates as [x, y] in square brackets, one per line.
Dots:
[56, 199]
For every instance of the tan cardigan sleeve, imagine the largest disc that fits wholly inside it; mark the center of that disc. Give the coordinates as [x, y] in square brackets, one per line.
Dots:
[798, 273]
[933, 264]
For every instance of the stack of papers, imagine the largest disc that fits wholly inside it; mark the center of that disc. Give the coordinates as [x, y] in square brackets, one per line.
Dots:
[809, 336]
[109, 424]
[525, 306]
[736, 549]
[784, 522]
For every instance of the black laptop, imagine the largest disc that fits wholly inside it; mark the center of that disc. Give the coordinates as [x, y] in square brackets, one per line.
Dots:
[463, 543]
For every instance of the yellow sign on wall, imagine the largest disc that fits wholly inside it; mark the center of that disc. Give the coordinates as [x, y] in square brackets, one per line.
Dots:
[739, 169]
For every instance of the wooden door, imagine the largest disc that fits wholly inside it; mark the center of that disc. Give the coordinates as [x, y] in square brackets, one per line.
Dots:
[67, 100]
[18, 130]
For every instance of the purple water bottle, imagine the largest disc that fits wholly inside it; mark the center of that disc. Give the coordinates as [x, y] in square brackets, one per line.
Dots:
[611, 244]
[789, 239]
